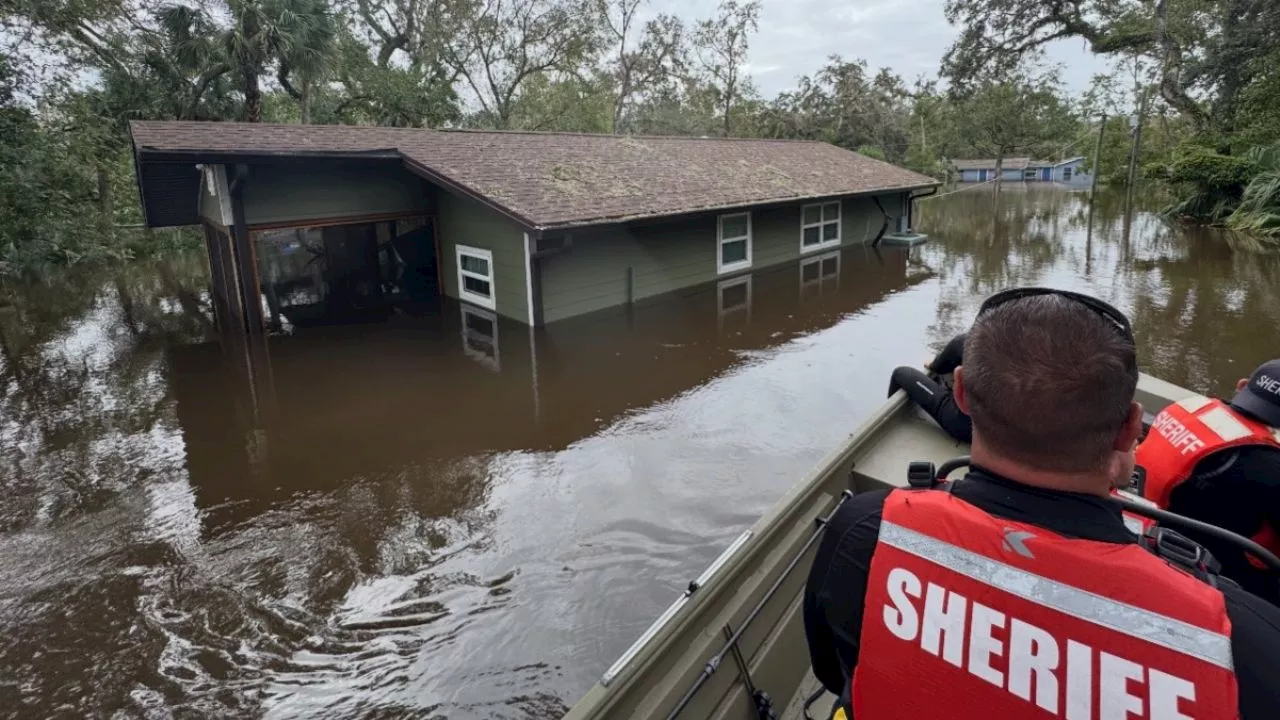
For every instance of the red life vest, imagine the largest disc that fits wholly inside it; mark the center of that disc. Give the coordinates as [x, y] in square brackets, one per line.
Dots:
[972, 616]
[1187, 432]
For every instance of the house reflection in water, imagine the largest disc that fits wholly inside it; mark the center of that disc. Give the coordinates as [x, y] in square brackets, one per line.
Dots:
[329, 405]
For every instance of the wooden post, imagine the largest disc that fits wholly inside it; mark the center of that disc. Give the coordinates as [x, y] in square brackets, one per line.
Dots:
[223, 275]
[1093, 189]
[435, 240]
[1097, 158]
[246, 259]
[1136, 148]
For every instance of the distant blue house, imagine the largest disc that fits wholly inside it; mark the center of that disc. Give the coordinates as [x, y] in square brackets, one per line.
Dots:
[1070, 170]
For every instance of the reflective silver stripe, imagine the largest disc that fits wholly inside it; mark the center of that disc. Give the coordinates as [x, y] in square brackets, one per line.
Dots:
[1221, 421]
[1193, 403]
[1134, 524]
[1206, 645]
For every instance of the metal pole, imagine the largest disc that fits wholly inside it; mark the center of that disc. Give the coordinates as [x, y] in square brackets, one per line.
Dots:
[1097, 157]
[1093, 189]
[1137, 144]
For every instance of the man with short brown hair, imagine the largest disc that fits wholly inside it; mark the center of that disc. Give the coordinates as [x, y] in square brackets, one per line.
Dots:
[1049, 356]
[1019, 592]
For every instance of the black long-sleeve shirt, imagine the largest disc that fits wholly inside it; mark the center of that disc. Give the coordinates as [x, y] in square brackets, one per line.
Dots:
[1237, 490]
[836, 588]
[950, 357]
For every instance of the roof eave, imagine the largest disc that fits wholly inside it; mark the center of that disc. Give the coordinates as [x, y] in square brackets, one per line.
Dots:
[617, 220]
[137, 174]
[152, 154]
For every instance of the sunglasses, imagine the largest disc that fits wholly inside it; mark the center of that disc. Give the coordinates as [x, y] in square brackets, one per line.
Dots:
[1105, 311]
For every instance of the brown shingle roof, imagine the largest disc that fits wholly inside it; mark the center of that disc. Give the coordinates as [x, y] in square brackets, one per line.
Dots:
[560, 179]
[1019, 163]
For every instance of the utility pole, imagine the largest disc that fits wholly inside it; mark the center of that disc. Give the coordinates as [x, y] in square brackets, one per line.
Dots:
[1137, 141]
[1093, 188]
[1097, 157]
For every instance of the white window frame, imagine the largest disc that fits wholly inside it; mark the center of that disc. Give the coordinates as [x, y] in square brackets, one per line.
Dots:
[822, 244]
[721, 267]
[465, 294]
[493, 363]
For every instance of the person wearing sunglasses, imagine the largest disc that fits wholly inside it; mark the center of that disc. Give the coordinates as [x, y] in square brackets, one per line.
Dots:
[932, 392]
[1219, 462]
[1019, 591]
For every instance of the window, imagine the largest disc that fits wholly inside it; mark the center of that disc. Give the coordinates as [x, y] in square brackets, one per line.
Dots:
[734, 243]
[819, 226]
[1066, 173]
[1029, 174]
[819, 273]
[733, 297]
[475, 276]
[480, 336]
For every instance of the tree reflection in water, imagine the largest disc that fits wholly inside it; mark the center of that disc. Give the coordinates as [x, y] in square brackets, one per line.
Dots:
[1205, 304]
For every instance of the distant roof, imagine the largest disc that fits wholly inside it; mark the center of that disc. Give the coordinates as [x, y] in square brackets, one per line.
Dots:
[1010, 163]
[543, 180]
[1020, 163]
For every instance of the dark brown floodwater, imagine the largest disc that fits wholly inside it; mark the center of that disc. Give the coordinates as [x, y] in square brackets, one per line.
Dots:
[403, 519]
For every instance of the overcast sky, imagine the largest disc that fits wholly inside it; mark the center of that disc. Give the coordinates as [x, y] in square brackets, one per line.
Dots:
[908, 36]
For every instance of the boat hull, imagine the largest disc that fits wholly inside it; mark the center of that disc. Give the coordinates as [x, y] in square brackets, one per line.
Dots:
[653, 677]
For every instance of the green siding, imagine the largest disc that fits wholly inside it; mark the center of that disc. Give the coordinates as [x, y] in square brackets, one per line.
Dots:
[862, 219]
[292, 194]
[660, 258]
[462, 221]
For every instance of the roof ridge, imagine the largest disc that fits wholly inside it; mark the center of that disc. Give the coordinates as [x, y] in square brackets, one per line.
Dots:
[483, 131]
[295, 126]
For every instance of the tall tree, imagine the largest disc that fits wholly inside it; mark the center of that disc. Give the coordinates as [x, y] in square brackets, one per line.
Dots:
[392, 67]
[266, 32]
[842, 105]
[1021, 114]
[1199, 47]
[638, 67]
[501, 44]
[307, 55]
[721, 43]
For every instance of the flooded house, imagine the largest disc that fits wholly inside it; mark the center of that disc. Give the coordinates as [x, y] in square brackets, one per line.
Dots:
[1024, 169]
[530, 227]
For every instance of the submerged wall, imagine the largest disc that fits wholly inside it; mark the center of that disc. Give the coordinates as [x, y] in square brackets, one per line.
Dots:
[622, 264]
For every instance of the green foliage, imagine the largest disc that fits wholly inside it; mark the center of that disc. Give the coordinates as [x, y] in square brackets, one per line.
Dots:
[1241, 192]
[845, 105]
[1258, 119]
[1210, 170]
[1211, 63]
[1259, 209]
[871, 151]
[609, 66]
[1020, 115]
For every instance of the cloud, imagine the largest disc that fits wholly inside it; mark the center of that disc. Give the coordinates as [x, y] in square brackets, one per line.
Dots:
[908, 36]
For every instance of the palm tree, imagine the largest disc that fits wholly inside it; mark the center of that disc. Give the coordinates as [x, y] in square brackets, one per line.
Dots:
[307, 52]
[298, 34]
